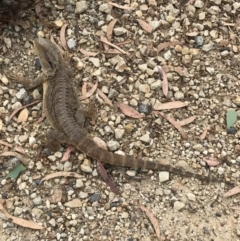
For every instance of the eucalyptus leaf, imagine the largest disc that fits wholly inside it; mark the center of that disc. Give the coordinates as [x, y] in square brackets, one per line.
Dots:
[16, 171]
[231, 118]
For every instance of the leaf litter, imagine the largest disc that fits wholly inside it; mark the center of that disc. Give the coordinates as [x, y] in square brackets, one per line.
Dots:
[19, 221]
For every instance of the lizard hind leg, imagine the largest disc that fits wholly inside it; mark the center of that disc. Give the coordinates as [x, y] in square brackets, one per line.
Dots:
[83, 114]
[55, 138]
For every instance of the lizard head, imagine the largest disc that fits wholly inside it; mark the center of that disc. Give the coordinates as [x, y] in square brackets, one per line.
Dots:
[49, 55]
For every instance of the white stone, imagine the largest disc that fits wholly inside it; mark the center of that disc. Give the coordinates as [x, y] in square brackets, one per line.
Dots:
[198, 4]
[67, 166]
[21, 94]
[95, 61]
[191, 197]
[163, 176]
[113, 145]
[179, 95]
[119, 31]
[119, 133]
[81, 7]
[178, 205]
[145, 138]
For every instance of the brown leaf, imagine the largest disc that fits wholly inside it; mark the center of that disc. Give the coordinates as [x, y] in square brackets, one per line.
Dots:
[129, 111]
[102, 95]
[61, 174]
[104, 40]
[75, 203]
[165, 81]
[62, 36]
[6, 143]
[88, 53]
[110, 29]
[23, 24]
[67, 153]
[1, 124]
[102, 171]
[203, 136]
[113, 51]
[124, 42]
[120, 6]
[20, 221]
[192, 34]
[187, 121]
[164, 45]
[100, 142]
[182, 71]
[19, 156]
[23, 116]
[19, 149]
[89, 93]
[211, 161]
[148, 28]
[175, 124]
[152, 219]
[18, 109]
[232, 192]
[56, 197]
[170, 105]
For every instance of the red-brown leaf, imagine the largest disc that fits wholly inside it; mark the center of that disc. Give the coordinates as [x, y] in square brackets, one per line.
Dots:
[129, 111]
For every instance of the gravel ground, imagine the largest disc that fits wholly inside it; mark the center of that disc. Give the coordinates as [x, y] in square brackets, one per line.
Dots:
[205, 61]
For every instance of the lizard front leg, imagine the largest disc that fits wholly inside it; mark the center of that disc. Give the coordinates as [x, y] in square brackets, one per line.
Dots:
[28, 83]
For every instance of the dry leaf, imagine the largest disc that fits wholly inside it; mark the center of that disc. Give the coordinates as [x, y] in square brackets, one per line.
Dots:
[62, 36]
[164, 45]
[187, 121]
[124, 42]
[175, 124]
[120, 6]
[232, 192]
[182, 71]
[113, 51]
[100, 142]
[67, 153]
[5, 143]
[152, 219]
[104, 40]
[75, 203]
[211, 161]
[1, 124]
[203, 136]
[61, 174]
[56, 197]
[148, 28]
[102, 171]
[192, 34]
[23, 116]
[19, 149]
[110, 29]
[88, 53]
[129, 111]
[23, 24]
[102, 95]
[89, 93]
[164, 82]
[20, 221]
[170, 105]
[20, 157]
[18, 109]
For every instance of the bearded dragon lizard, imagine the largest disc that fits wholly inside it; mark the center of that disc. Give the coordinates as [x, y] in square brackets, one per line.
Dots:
[62, 109]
